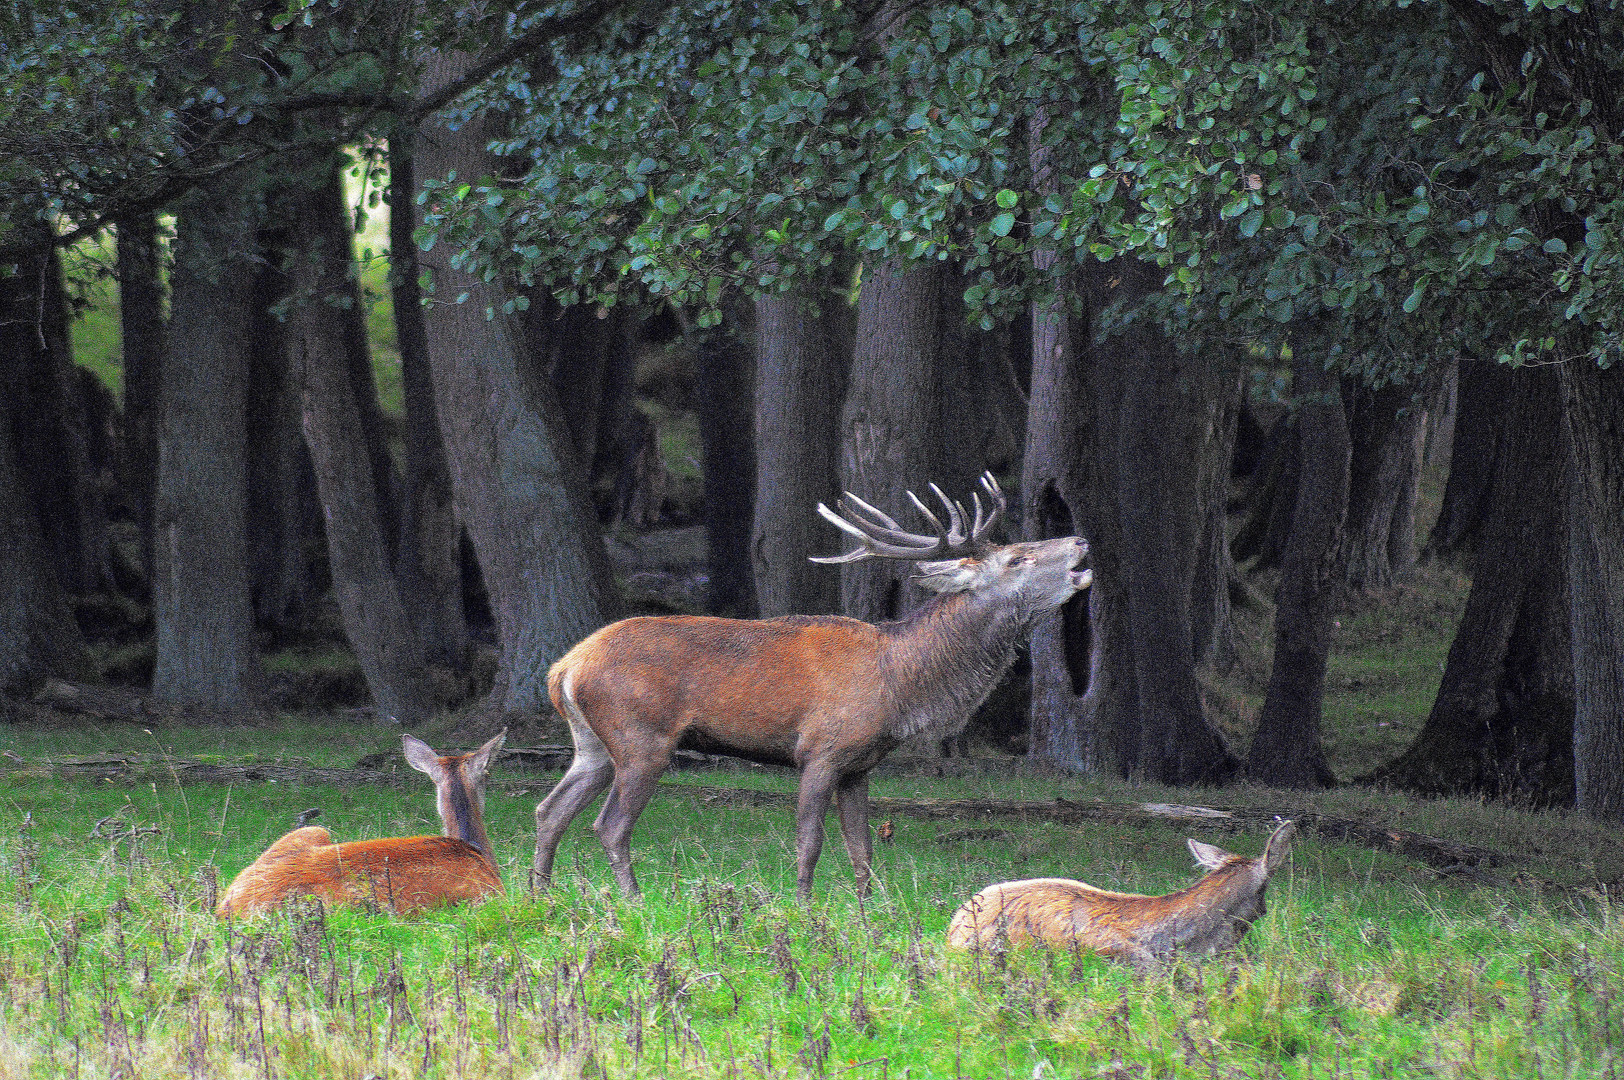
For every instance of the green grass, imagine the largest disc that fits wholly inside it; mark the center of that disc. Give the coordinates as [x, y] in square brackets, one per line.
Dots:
[1366, 965]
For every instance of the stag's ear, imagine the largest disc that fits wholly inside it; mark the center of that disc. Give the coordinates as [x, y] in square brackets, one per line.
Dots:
[1211, 856]
[1278, 847]
[480, 759]
[418, 754]
[947, 575]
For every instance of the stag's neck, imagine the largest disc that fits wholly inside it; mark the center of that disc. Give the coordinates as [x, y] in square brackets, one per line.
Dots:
[945, 659]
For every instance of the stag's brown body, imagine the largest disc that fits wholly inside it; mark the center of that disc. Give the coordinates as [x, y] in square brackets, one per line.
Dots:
[827, 695]
[1209, 916]
[402, 874]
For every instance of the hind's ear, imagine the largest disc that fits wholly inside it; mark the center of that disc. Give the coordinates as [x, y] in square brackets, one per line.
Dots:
[1211, 856]
[419, 755]
[1279, 846]
[481, 758]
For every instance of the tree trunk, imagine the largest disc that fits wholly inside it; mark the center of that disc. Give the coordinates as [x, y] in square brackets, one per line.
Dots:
[1152, 465]
[1482, 387]
[1271, 496]
[284, 544]
[892, 442]
[38, 635]
[1503, 720]
[1384, 425]
[800, 383]
[723, 394]
[205, 645]
[1052, 479]
[141, 320]
[1212, 622]
[386, 644]
[430, 566]
[1593, 426]
[1286, 750]
[518, 484]
[49, 430]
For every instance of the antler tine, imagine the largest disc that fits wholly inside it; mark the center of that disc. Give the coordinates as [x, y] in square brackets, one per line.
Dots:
[978, 535]
[955, 517]
[881, 525]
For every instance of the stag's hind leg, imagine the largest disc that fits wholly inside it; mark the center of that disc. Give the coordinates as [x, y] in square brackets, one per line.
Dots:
[589, 773]
[635, 780]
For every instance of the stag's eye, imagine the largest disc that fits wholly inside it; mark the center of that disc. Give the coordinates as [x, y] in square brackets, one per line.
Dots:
[1026, 560]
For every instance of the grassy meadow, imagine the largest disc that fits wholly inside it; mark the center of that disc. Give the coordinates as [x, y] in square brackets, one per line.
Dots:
[111, 963]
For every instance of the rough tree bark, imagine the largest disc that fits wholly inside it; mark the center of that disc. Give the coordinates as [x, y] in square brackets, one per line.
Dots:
[205, 646]
[800, 383]
[38, 635]
[386, 643]
[1286, 750]
[49, 425]
[518, 485]
[892, 441]
[1593, 428]
[1384, 424]
[141, 322]
[723, 398]
[1052, 480]
[1502, 723]
[1150, 464]
[1481, 389]
[430, 563]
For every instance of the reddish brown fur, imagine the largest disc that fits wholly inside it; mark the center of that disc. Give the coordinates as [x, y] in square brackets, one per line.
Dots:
[1209, 916]
[828, 695]
[399, 874]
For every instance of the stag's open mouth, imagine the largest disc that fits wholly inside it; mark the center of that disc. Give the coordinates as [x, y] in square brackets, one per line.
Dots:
[1081, 579]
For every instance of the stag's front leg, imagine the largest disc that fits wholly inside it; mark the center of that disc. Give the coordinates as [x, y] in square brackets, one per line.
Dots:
[852, 798]
[817, 791]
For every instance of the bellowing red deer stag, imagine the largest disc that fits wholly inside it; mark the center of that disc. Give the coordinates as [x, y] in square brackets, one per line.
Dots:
[827, 695]
[402, 874]
[1207, 917]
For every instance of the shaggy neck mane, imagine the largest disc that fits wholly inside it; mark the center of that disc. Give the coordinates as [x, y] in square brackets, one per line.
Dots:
[944, 660]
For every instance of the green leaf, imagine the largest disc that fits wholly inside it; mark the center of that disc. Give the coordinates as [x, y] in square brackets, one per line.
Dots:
[1007, 199]
[1251, 222]
[1002, 224]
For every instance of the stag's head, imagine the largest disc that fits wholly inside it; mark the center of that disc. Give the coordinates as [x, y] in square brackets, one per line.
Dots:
[1036, 577]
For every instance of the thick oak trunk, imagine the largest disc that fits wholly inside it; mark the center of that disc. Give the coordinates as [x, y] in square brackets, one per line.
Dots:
[336, 429]
[891, 439]
[1385, 425]
[1286, 751]
[1503, 719]
[519, 487]
[800, 383]
[1482, 389]
[205, 646]
[1593, 412]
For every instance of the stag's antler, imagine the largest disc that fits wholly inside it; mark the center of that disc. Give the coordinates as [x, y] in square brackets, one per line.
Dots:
[883, 538]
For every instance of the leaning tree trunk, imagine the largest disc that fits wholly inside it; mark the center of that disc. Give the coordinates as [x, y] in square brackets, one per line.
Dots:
[519, 487]
[1502, 723]
[430, 564]
[891, 441]
[205, 644]
[386, 644]
[1271, 495]
[722, 397]
[141, 323]
[1593, 427]
[1153, 468]
[1286, 750]
[800, 382]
